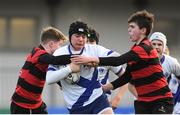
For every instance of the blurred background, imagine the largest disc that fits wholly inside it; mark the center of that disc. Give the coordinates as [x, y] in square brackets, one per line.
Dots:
[21, 22]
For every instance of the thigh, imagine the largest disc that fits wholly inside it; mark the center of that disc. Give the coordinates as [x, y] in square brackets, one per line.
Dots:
[176, 108]
[40, 110]
[108, 110]
[15, 109]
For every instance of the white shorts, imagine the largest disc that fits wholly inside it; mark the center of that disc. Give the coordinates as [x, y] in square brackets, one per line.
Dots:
[176, 108]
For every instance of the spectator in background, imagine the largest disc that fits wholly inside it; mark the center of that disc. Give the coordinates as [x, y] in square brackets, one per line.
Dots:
[27, 98]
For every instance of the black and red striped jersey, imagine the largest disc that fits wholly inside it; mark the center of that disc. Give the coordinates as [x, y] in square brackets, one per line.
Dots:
[143, 71]
[28, 92]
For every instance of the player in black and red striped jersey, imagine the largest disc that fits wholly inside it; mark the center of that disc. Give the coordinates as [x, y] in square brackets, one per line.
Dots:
[27, 98]
[143, 69]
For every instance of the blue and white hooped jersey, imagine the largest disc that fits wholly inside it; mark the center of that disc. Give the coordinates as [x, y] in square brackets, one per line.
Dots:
[88, 87]
[171, 69]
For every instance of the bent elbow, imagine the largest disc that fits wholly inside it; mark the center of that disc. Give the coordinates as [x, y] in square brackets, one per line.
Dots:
[49, 79]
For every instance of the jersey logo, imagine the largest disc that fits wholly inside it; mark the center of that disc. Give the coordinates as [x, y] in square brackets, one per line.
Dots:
[86, 67]
[101, 70]
[162, 109]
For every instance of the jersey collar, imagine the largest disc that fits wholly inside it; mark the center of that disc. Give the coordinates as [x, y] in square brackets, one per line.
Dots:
[162, 59]
[70, 52]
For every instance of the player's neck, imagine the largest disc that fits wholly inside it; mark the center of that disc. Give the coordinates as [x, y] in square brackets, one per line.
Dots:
[47, 48]
[140, 39]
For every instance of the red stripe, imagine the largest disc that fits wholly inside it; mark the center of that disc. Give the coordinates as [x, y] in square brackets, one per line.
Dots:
[145, 89]
[32, 79]
[30, 59]
[28, 106]
[35, 57]
[148, 99]
[142, 53]
[42, 67]
[146, 71]
[28, 95]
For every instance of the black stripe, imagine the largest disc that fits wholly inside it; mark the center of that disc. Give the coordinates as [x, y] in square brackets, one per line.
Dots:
[147, 80]
[33, 52]
[34, 70]
[161, 91]
[135, 57]
[29, 87]
[18, 98]
[35, 49]
[140, 65]
[146, 47]
[144, 64]
[154, 61]
[27, 65]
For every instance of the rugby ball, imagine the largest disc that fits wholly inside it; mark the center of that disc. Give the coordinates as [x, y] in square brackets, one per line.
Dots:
[72, 78]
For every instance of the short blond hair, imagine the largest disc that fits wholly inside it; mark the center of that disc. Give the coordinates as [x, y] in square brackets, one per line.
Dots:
[52, 33]
[167, 52]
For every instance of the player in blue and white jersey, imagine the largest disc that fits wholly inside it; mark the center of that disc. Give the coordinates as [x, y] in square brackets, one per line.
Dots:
[104, 71]
[171, 67]
[86, 96]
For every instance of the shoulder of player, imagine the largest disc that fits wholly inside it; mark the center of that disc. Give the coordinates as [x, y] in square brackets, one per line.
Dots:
[90, 46]
[170, 59]
[61, 51]
[93, 46]
[36, 52]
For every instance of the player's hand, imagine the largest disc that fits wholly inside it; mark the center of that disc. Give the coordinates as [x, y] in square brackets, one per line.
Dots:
[85, 60]
[92, 64]
[114, 103]
[113, 106]
[74, 67]
[107, 87]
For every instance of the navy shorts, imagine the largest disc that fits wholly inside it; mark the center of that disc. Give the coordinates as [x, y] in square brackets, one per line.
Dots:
[93, 108]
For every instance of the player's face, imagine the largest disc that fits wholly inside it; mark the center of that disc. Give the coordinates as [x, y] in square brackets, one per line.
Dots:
[158, 45]
[91, 42]
[78, 41]
[55, 45]
[135, 32]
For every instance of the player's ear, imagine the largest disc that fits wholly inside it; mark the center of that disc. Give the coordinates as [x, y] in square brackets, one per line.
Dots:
[51, 44]
[143, 30]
